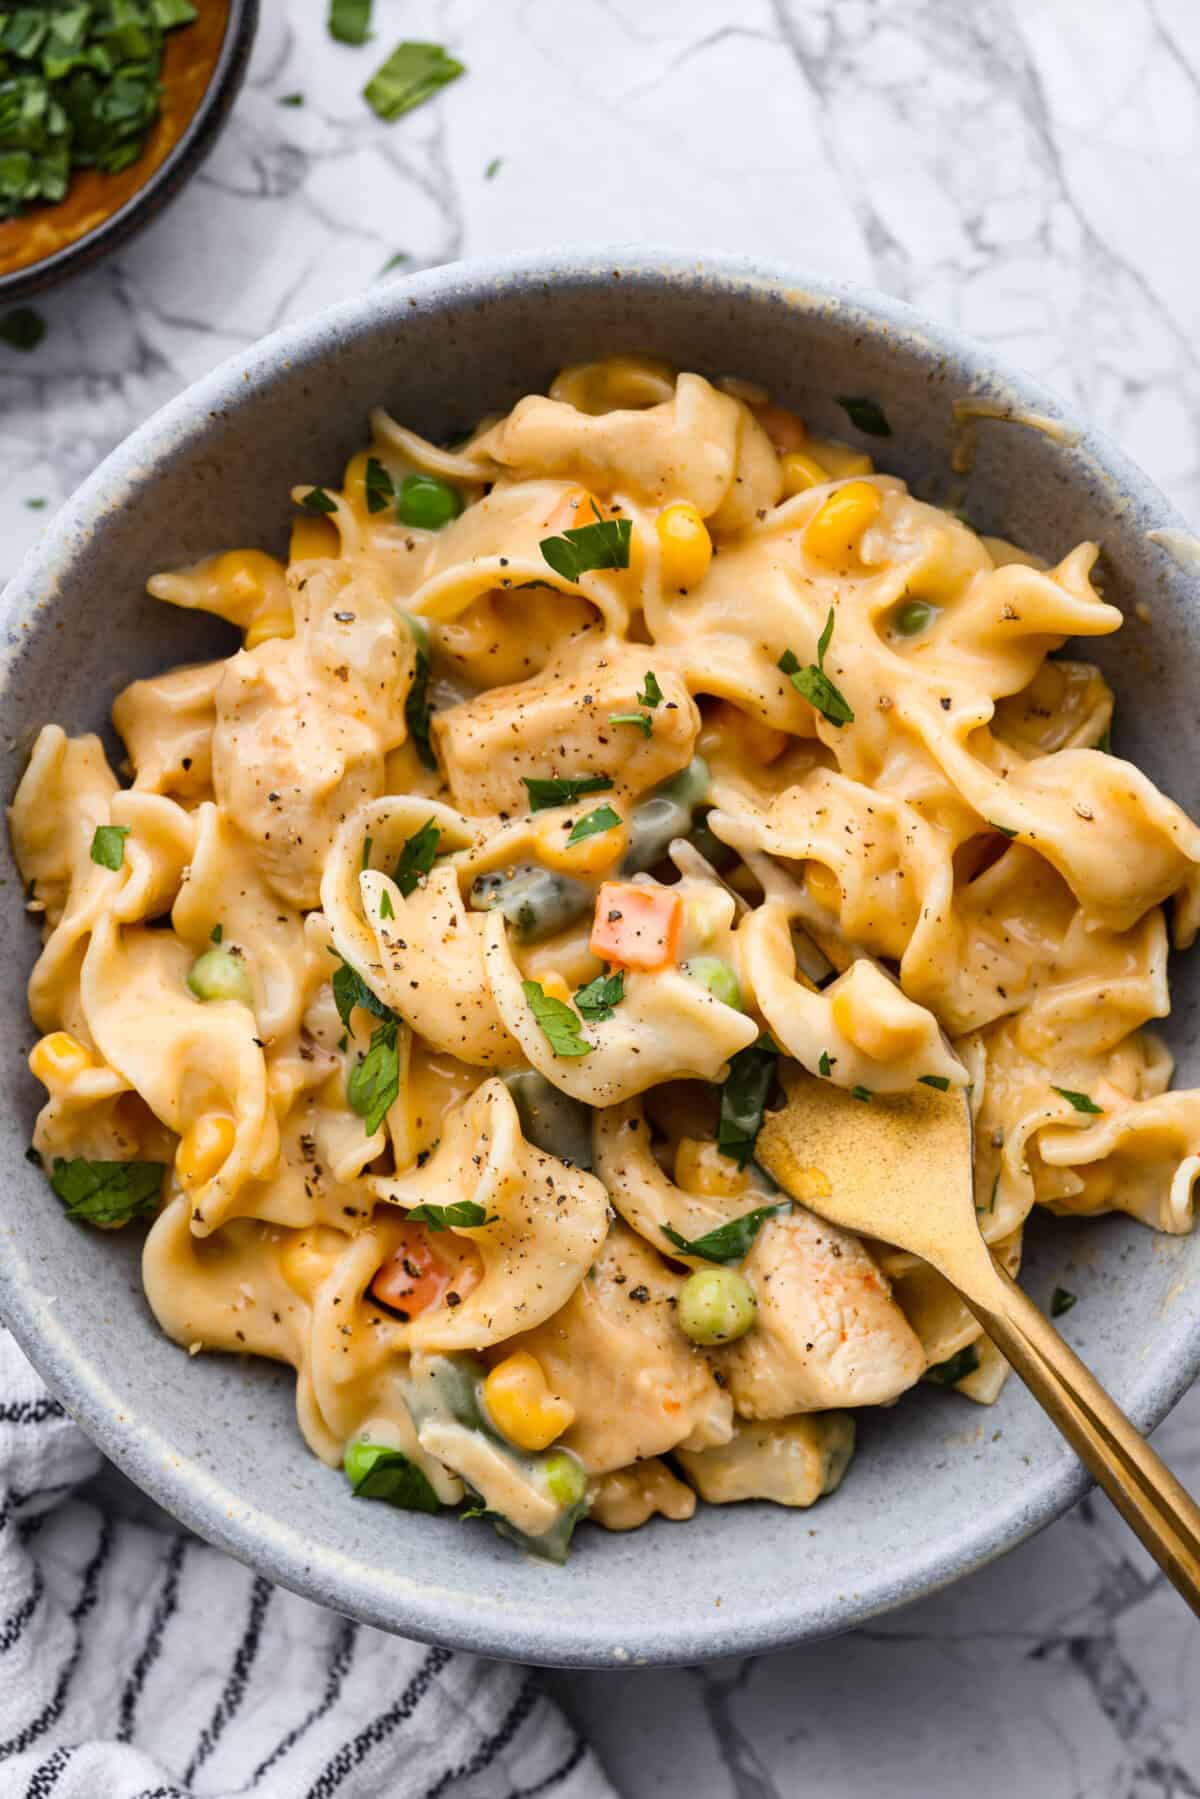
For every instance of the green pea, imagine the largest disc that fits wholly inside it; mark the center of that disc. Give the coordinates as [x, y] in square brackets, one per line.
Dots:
[715, 1305]
[913, 617]
[427, 503]
[219, 974]
[360, 1458]
[563, 1478]
[717, 975]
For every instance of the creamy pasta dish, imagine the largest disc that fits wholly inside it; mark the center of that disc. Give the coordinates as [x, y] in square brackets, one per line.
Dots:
[424, 973]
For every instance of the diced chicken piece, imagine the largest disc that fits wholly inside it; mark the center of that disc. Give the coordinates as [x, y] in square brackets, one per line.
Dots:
[617, 1355]
[793, 1462]
[557, 725]
[304, 724]
[828, 1332]
[627, 1497]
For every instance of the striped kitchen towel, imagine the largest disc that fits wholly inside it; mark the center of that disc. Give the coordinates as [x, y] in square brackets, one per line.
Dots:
[138, 1663]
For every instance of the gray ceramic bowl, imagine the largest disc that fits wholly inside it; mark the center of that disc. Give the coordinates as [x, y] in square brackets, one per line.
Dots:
[938, 1487]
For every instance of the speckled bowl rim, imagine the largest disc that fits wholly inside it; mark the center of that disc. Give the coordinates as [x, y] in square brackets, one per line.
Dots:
[386, 1597]
[160, 187]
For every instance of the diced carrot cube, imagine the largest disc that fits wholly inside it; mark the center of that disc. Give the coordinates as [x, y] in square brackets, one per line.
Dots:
[636, 925]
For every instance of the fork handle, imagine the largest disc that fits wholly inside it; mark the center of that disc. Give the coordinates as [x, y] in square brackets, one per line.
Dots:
[1141, 1486]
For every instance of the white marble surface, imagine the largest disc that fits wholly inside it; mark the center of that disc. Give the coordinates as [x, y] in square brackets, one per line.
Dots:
[1029, 169]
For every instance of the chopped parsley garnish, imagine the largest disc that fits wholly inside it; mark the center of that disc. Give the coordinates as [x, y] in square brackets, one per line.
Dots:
[374, 1081]
[462, 1214]
[814, 684]
[22, 328]
[604, 544]
[730, 1242]
[744, 1098]
[1004, 830]
[108, 845]
[493, 168]
[642, 720]
[386, 908]
[388, 1474]
[318, 501]
[825, 1065]
[107, 1193]
[949, 1373]
[558, 1024]
[350, 990]
[596, 1001]
[546, 793]
[1061, 1301]
[380, 488]
[986, 1211]
[290, 100]
[417, 710]
[395, 261]
[412, 74]
[863, 1093]
[417, 858]
[940, 1081]
[865, 414]
[652, 693]
[216, 934]
[1080, 1101]
[350, 20]
[37, 505]
[602, 819]
[368, 846]
[79, 87]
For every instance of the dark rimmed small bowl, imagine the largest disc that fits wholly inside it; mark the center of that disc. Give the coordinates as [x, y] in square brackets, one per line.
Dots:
[203, 67]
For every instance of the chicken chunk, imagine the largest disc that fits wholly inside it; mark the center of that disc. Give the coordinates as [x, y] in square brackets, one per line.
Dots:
[558, 725]
[617, 1355]
[828, 1332]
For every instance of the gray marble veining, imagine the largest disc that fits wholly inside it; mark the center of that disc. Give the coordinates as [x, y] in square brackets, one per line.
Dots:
[1030, 170]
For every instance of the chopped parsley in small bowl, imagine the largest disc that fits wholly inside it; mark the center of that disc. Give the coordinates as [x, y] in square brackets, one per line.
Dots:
[106, 108]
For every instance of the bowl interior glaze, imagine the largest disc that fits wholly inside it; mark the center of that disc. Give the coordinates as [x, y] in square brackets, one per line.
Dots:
[938, 1487]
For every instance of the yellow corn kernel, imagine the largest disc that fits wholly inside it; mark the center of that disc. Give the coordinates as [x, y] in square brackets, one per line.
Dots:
[521, 1405]
[685, 548]
[592, 855]
[305, 1260]
[824, 886]
[839, 459]
[877, 1018]
[701, 1168]
[204, 1148]
[58, 1058]
[800, 472]
[835, 529]
[313, 537]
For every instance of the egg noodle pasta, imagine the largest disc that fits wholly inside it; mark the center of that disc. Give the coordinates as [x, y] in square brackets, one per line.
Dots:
[424, 975]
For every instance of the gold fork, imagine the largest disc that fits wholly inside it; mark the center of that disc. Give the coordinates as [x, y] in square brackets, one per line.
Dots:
[900, 1168]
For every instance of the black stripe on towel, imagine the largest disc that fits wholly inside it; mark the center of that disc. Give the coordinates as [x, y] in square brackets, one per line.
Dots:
[164, 1611]
[343, 1653]
[352, 1754]
[52, 1712]
[13, 1628]
[558, 1776]
[527, 1697]
[234, 1692]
